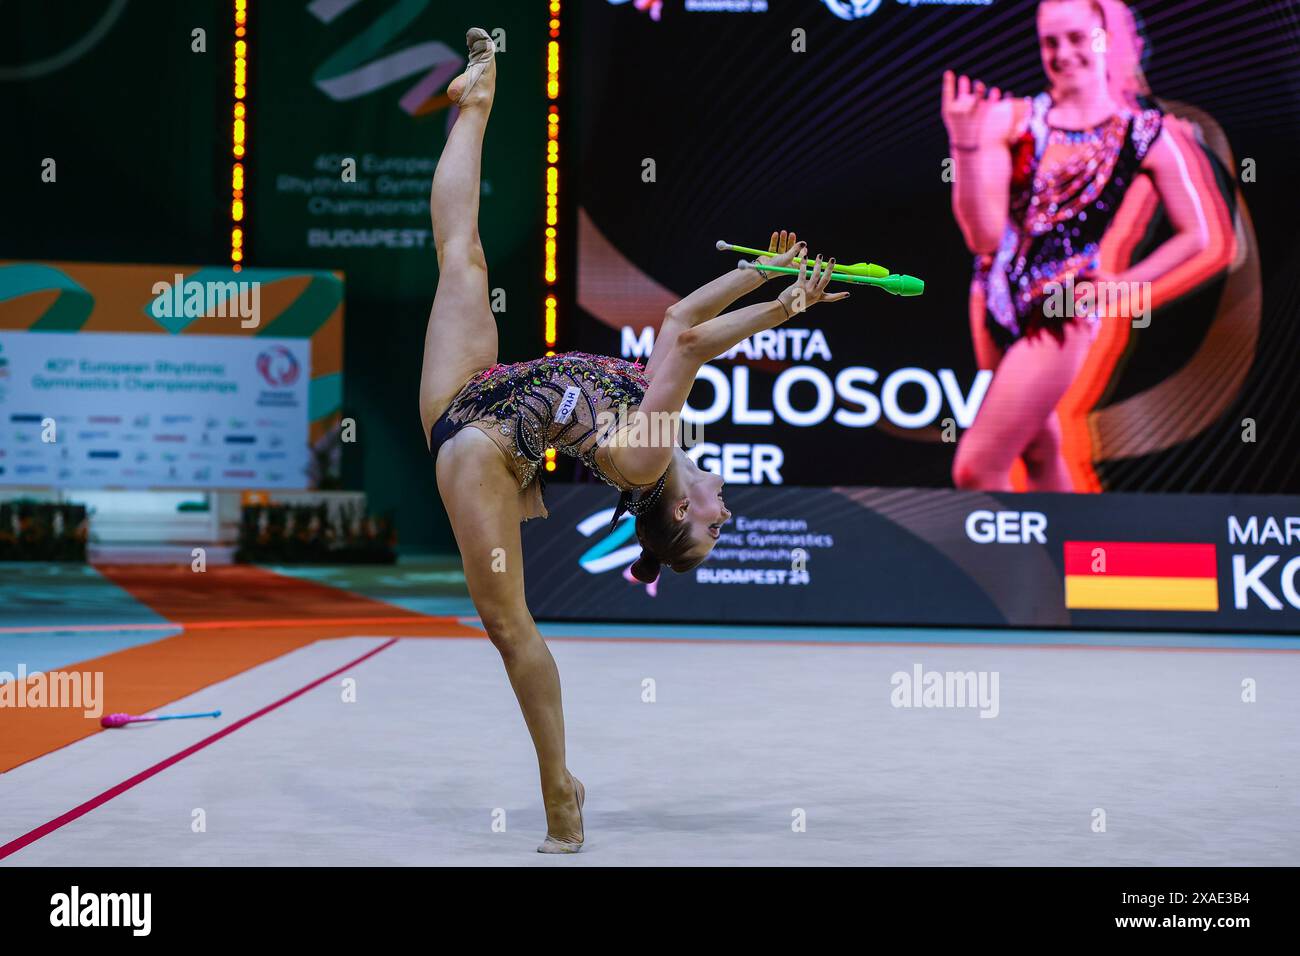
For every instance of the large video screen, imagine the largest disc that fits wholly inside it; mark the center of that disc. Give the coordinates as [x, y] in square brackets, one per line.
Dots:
[1100, 199]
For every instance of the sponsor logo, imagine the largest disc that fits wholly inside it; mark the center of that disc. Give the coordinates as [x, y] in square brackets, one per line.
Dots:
[278, 367]
[567, 405]
[852, 9]
[612, 553]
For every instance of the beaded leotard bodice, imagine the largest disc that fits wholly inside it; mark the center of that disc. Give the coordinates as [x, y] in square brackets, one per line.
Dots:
[571, 402]
[1066, 186]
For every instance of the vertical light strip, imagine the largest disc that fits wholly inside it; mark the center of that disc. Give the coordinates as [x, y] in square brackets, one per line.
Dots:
[239, 137]
[550, 330]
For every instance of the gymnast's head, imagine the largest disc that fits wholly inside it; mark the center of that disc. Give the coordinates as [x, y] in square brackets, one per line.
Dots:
[683, 524]
[1091, 45]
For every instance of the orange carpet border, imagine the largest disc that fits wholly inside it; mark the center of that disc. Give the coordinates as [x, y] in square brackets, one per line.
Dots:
[247, 617]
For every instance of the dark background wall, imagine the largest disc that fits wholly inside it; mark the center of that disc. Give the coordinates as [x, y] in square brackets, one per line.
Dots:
[139, 125]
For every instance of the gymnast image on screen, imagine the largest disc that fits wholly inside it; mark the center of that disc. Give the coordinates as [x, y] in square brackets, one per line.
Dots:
[489, 425]
[1039, 183]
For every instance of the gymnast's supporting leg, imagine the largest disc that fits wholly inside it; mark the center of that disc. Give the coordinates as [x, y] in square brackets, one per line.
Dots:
[483, 502]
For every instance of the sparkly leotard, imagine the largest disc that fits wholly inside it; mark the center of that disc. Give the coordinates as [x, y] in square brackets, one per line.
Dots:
[1059, 213]
[572, 402]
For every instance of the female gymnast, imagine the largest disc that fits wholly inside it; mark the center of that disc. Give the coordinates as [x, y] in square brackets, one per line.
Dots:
[489, 425]
[1037, 185]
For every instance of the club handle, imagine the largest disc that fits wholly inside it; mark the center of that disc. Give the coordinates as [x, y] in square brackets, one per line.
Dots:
[869, 269]
[903, 285]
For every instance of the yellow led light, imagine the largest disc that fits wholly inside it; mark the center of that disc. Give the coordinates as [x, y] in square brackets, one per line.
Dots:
[552, 187]
[238, 133]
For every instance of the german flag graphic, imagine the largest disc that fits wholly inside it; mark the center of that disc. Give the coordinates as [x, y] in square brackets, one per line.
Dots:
[1140, 576]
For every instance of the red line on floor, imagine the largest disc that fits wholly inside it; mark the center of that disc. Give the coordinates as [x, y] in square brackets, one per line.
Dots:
[225, 625]
[45, 829]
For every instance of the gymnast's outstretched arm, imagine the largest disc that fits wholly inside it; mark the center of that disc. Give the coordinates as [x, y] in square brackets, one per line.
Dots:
[642, 464]
[708, 300]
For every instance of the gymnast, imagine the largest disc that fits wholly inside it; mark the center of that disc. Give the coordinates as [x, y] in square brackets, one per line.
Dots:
[489, 426]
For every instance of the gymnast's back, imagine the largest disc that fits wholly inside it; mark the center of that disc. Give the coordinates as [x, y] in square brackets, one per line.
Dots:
[572, 402]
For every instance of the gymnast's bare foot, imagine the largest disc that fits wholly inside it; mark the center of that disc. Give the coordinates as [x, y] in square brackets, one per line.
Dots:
[477, 86]
[564, 818]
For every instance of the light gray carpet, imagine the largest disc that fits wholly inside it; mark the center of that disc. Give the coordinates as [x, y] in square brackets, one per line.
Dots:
[740, 737]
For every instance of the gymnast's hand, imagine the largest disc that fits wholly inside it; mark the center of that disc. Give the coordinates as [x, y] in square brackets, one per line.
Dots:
[781, 252]
[967, 110]
[809, 288]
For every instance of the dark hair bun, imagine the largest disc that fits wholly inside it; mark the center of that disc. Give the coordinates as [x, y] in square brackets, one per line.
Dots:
[646, 568]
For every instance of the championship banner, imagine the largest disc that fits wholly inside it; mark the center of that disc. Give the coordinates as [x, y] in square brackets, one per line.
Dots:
[131, 376]
[348, 119]
[888, 556]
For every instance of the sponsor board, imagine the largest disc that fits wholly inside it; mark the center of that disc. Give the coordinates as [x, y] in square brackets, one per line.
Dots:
[155, 410]
[797, 555]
